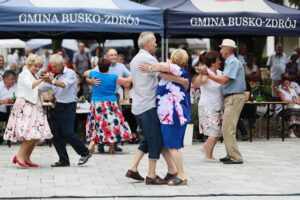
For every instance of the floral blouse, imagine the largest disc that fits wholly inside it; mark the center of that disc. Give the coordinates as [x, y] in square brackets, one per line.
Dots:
[172, 97]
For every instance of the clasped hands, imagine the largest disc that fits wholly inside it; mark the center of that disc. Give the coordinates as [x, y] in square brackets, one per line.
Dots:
[46, 77]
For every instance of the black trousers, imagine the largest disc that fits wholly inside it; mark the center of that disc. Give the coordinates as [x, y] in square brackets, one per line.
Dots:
[63, 131]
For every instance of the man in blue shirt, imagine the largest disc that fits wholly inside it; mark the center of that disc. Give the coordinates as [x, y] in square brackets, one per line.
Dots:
[234, 85]
[64, 84]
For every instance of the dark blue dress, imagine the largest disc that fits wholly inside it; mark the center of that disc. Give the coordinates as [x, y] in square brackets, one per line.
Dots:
[173, 109]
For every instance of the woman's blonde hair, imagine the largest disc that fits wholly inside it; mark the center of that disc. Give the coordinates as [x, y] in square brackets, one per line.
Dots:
[179, 57]
[33, 59]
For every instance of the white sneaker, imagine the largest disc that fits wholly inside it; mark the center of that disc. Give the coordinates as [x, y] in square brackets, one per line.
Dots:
[292, 135]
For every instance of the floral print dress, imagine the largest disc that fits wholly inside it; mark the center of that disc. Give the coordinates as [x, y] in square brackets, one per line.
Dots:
[106, 123]
[173, 97]
[27, 121]
[173, 108]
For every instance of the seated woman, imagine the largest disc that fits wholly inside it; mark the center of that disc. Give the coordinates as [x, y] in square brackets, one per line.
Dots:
[105, 123]
[173, 109]
[289, 95]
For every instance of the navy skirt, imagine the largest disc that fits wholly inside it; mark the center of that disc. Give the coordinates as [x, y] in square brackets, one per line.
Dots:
[173, 134]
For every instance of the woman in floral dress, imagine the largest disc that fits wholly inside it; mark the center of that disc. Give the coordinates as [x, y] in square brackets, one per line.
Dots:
[210, 104]
[105, 123]
[27, 121]
[173, 109]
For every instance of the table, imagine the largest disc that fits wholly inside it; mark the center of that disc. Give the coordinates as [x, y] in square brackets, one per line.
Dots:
[268, 103]
[83, 108]
[46, 105]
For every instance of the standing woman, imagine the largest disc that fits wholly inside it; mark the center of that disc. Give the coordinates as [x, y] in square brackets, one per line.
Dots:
[27, 121]
[173, 109]
[210, 104]
[106, 122]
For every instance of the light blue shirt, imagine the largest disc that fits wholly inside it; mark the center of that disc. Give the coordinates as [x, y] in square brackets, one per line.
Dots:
[67, 94]
[117, 69]
[120, 70]
[235, 72]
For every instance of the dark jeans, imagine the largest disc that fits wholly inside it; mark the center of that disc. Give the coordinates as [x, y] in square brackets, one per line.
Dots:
[248, 113]
[79, 125]
[241, 127]
[152, 141]
[4, 117]
[130, 118]
[63, 131]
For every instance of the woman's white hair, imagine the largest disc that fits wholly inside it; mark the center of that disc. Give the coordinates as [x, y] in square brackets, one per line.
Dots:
[56, 58]
[32, 59]
[144, 38]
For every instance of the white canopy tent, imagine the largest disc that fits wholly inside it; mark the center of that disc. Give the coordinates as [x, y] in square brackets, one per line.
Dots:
[12, 43]
[6, 45]
[70, 44]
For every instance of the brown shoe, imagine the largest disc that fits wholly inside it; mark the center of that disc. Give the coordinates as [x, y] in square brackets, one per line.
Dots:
[155, 181]
[134, 175]
[169, 177]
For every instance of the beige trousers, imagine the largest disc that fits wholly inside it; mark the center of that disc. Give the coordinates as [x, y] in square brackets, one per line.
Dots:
[232, 109]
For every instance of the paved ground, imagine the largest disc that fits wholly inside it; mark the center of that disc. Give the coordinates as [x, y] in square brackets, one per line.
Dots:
[270, 171]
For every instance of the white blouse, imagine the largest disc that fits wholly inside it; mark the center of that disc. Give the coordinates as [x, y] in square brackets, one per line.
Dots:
[24, 86]
[211, 94]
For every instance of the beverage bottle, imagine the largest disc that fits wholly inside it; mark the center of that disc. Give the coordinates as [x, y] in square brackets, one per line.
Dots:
[83, 99]
[259, 97]
[14, 97]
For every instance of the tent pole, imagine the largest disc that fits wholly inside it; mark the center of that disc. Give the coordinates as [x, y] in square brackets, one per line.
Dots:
[167, 49]
[162, 45]
[237, 45]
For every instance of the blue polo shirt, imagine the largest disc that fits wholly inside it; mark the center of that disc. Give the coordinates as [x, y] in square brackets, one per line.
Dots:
[234, 70]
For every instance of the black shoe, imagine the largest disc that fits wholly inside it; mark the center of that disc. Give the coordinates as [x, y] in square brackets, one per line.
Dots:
[60, 164]
[101, 148]
[170, 177]
[118, 149]
[84, 159]
[228, 162]
[1, 139]
[224, 159]
[245, 138]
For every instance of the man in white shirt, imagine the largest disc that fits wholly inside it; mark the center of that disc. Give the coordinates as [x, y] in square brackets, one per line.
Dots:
[144, 109]
[276, 63]
[7, 89]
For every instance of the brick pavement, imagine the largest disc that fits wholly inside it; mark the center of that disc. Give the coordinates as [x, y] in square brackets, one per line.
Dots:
[271, 168]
